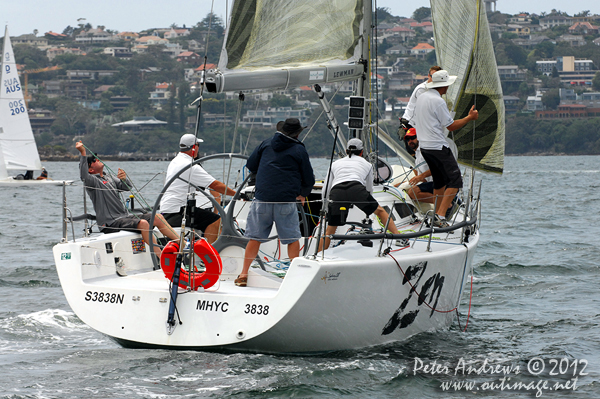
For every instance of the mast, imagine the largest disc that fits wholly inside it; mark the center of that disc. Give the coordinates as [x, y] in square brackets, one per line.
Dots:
[364, 81]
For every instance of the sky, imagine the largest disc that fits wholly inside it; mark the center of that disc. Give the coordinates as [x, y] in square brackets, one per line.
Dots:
[135, 15]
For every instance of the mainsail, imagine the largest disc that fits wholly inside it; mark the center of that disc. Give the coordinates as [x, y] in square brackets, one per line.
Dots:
[16, 138]
[280, 44]
[464, 48]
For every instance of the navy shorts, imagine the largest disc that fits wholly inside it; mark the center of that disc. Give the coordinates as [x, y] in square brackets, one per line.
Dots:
[426, 187]
[344, 195]
[202, 218]
[444, 168]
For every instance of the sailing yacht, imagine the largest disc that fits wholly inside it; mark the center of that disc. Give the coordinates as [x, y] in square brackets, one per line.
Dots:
[370, 287]
[18, 151]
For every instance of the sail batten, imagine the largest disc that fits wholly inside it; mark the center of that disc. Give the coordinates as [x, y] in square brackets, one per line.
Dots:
[308, 41]
[464, 48]
[19, 151]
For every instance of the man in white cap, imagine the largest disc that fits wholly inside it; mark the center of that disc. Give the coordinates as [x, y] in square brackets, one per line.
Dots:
[173, 202]
[350, 182]
[432, 118]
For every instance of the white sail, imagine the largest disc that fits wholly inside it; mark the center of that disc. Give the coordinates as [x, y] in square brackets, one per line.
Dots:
[16, 138]
[280, 44]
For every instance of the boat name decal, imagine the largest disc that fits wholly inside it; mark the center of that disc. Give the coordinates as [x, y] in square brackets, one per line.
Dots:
[339, 74]
[316, 75]
[257, 309]
[430, 289]
[65, 256]
[106, 297]
[212, 305]
[330, 276]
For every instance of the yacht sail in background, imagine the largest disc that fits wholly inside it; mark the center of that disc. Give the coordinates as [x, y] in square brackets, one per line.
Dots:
[18, 151]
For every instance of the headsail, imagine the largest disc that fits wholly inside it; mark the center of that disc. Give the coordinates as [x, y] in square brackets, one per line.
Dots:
[464, 48]
[280, 44]
[16, 138]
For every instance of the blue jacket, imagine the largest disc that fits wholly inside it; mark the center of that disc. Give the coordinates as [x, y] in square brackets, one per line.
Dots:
[282, 169]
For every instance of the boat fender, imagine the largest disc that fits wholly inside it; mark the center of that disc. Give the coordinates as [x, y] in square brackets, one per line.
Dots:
[209, 256]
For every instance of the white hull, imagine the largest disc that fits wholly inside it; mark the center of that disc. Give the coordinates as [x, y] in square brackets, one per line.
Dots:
[350, 299]
[10, 182]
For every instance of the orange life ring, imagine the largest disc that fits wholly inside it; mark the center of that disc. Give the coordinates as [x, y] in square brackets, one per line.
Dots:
[206, 252]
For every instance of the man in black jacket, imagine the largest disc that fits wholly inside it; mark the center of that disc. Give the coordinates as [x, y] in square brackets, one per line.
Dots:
[283, 175]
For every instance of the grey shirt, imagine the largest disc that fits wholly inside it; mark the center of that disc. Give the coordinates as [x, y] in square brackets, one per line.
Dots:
[104, 193]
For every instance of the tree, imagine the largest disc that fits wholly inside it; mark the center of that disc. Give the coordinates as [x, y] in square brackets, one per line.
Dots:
[551, 99]
[421, 13]
[383, 13]
[279, 100]
[596, 81]
[72, 118]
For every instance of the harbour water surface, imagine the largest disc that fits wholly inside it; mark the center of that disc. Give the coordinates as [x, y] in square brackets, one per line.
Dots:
[534, 319]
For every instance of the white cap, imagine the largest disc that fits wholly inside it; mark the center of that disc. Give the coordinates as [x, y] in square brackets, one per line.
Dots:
[187, 141]
[354, 144]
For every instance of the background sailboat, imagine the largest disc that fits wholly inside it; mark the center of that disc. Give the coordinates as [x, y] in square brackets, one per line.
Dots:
[18, 151]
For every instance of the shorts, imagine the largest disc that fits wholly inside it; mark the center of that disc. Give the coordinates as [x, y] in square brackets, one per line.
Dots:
[128, 223]
[202, 218]
[444, 168]
[344, 195]
[262, 215]
[426, 187]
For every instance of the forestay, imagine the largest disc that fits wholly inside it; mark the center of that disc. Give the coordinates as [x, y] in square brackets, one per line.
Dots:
[281, 44]
[464, 47]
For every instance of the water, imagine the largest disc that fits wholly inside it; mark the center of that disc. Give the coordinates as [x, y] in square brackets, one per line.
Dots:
[535, 295]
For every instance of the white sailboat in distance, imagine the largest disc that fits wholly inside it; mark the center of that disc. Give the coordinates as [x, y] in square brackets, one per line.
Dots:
[18, 151]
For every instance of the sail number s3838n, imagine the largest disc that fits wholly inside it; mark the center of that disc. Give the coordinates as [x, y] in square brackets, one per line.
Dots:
[106, 297]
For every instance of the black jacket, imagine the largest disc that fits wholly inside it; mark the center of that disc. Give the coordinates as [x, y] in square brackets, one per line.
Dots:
[282, 168]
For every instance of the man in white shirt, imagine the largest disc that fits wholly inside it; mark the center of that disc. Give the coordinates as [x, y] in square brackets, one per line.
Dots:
[173, 202]
[350, 182]
[432, 118]
[406, 122]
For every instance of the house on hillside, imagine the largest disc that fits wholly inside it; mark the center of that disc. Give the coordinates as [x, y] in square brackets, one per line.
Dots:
[511, 73]
[127, 36]
[54, 52]
[421, 50]
[519, 30]
[189, 57]
[30, 40]
[175, 33]
[119, 52]
[95, 36]
[160, 95]
[140, 124]
[269, 117]
[151, 41]
[403, 33]
[55, 36]
[573, 40]
[554, 20]
[398, 50]
[584, 28]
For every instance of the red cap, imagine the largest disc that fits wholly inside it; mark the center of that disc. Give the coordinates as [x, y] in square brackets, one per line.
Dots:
[411, 132]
